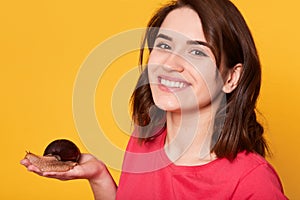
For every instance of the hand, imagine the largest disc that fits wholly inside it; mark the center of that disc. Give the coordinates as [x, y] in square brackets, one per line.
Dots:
[89, 167]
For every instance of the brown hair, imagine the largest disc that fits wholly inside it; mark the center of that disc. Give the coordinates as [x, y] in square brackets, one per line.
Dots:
[227, 32]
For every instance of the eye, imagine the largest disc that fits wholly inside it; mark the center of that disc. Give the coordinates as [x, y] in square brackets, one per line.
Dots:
[162, 45]
[197, 52]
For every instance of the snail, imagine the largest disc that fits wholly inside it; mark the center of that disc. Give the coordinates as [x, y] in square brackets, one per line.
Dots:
[59, 156]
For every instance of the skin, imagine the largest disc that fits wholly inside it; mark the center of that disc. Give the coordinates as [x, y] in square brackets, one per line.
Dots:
[181, 111]
[90, 168]
[177, 57]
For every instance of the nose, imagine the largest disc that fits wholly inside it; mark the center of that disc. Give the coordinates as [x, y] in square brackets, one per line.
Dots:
[174, 62]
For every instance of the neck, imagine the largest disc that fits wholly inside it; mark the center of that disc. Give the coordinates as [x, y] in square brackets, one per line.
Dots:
[189, 136]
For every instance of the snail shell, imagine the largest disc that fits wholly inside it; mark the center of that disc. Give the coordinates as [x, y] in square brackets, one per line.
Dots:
[63, 149]
[59, 156]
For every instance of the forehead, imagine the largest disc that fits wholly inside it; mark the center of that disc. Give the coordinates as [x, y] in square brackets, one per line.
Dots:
[186, 22]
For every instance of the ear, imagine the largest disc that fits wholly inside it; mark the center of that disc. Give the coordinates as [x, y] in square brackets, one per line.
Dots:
[232, 78]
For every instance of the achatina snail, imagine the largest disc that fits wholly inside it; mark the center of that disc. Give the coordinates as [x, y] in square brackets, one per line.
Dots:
[59, 156]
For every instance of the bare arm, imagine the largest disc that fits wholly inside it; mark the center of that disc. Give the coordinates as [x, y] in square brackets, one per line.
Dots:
[103, 185]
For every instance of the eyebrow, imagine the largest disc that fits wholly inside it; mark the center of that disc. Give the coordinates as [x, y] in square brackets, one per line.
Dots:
[190, 42]
[163, 36]
[198, 42]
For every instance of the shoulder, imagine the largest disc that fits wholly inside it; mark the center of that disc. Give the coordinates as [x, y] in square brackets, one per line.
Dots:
[258, 180]
[248, 162]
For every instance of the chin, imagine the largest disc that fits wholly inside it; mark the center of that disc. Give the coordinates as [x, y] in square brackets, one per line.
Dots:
[167, 105]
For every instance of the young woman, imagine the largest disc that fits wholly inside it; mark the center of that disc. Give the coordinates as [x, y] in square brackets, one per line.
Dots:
[196, 135]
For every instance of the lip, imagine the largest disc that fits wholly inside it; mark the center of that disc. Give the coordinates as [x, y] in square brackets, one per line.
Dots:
[171, 84]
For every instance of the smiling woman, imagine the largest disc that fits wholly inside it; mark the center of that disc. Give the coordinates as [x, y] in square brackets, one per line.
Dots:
[208, 148]
[196, 135]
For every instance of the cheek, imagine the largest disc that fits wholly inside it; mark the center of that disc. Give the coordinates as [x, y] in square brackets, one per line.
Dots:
[203, 96]
[150, 74]
[208, 84]
[157, 57]
[209, 77]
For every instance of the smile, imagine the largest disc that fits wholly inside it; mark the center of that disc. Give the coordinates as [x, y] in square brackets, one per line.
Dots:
[172, 83]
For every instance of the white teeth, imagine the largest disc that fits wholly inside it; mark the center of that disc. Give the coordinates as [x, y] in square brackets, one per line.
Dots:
[174, 84]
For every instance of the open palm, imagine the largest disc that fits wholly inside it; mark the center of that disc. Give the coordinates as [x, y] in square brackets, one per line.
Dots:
[89, 167]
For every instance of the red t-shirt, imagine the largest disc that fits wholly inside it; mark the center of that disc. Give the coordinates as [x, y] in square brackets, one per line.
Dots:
[148, 174]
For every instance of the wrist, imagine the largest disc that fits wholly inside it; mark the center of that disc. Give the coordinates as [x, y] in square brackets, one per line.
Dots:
[102, 184]
[100, 173]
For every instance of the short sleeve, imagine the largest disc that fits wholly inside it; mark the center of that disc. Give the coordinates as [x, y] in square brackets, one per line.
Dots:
[262, 182]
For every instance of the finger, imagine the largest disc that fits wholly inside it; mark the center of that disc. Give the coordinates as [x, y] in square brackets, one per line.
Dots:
[25, 162]
[58, 175]
[34, 170]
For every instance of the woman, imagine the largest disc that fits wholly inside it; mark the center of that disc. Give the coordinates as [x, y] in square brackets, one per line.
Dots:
[196, 135]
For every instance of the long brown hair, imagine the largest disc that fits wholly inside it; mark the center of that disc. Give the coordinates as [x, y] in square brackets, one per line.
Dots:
[227, 32]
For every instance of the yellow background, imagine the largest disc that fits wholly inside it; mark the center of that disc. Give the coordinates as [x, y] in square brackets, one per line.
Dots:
[43, 44]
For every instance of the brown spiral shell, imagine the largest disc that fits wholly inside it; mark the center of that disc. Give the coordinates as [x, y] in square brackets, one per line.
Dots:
[63, 150]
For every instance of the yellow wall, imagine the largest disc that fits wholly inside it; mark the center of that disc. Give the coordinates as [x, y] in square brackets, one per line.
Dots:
[43, 44]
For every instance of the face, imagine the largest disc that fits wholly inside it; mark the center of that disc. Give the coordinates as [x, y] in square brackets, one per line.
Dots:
[181, 67]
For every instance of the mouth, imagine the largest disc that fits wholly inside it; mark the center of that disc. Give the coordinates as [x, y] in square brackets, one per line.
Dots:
[172, 83]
